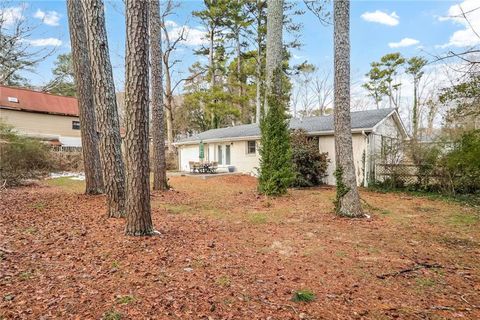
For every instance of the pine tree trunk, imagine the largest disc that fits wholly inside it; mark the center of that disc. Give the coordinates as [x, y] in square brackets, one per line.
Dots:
[139, 221]
[106, 108]
[258, 71]
[258, 94]
[211, 58]
[274, 48]
[415, 109]
[169, 108]
[83, 82]
[158, 133]
[348, 200]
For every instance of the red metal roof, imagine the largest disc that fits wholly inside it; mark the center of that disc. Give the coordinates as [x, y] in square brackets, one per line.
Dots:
[35, 101]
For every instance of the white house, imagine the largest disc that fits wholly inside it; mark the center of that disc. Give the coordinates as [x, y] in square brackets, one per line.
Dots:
[237, 146]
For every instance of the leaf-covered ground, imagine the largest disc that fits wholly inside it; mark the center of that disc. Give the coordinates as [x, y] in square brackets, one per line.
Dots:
[226, 253]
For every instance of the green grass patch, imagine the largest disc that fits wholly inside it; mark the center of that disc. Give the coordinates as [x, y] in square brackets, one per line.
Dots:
[223, 281]
[125, 299]
[67, 184]
[463, 219]
[26, 275]
[112, 315]
[303, 296]
[469, 199]
[177, 209]
[258, 218]
[424, 282]
[39, 205]
[31, 230]
[341, 254]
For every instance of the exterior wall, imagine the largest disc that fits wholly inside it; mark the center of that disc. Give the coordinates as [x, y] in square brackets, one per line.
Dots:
[42, 124]
[243, 162]
[390, 133]
[327, 144]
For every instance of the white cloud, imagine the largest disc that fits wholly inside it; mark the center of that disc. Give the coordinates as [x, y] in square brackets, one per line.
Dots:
[469, 35]
[195, 36]
[170, 23]
[11, 15]
[43, 42]
[50, 18]
[405, 42]
[378, 16]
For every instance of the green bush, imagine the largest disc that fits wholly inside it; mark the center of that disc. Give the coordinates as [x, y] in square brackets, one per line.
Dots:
[276, 172]
[21, 157]
[309, 165]
[461, 164]
[426, 158]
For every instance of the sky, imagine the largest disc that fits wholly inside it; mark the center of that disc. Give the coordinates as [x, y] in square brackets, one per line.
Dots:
[377, 27]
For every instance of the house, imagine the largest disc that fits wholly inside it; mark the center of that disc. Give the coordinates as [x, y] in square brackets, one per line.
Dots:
[41, 115]
[238, 146]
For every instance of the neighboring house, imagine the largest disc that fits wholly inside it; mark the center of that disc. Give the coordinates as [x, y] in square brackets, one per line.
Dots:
[238, 146]
[41, 115]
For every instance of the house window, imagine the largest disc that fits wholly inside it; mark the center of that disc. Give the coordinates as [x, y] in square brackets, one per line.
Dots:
[76, 125]
[251, 147]
[220, 155]
[227, 154]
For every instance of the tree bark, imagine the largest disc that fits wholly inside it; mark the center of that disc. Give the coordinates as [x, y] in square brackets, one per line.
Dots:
[86, 108]
[106, 108]
[139, 221]
[415, 109]
[348, 200]
[211, 58]
[169, 106]
[274, 48]
[157, 107]
[258, 70]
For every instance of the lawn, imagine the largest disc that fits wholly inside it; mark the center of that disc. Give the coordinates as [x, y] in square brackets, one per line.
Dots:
[227, 253]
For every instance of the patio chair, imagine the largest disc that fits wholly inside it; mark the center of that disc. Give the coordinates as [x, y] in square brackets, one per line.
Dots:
[213, 167]
[198, 166]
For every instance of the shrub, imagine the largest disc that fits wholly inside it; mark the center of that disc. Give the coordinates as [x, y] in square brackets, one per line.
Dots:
[309, 165]
[461, 164]
[21, 157]
[303, 296]
[425, 157]
[276, 173]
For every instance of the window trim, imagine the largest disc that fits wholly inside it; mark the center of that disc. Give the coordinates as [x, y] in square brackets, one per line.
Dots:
[75, 124]
[248, 147]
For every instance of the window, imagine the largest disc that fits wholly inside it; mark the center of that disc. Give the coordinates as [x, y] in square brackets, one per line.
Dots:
[76, 125]
[219, 155]
[251, 147]
[227, 154]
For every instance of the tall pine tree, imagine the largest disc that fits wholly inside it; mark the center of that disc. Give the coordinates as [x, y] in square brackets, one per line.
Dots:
[275, 164]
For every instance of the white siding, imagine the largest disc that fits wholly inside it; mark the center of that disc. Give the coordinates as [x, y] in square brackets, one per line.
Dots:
[327, 144]
[187, 153]
[243, 162]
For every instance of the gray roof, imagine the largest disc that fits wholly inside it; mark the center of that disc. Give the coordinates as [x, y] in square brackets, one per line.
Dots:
[360, 120]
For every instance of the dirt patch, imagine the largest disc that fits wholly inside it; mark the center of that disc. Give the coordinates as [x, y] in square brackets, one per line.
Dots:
[227, 253]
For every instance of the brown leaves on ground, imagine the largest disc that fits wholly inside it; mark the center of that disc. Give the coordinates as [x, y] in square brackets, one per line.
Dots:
[226, 253]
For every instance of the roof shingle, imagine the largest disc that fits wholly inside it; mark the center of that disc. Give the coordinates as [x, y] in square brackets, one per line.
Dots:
[360, 120]
[35, 101]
